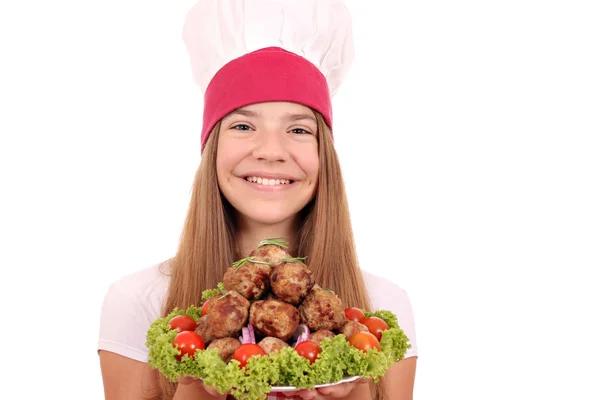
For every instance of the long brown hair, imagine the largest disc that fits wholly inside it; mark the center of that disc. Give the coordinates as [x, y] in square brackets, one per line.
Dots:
[208, 241]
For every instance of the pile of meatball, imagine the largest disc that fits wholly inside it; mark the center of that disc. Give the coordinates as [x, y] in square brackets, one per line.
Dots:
[277, 295]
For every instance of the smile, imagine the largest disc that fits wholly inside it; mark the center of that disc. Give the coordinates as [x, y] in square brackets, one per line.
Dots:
[268, 181]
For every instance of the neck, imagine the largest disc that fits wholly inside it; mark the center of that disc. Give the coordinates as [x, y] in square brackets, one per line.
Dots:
[250, 233]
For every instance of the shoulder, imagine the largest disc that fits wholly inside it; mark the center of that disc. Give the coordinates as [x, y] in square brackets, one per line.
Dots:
[130, 305]
[143, 283]
[379, 282]
[382, 290]
[388, 295]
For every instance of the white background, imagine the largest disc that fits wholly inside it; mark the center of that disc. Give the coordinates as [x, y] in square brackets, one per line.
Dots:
[468, 133]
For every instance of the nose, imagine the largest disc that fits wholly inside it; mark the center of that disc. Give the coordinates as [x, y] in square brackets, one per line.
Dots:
[269, 146]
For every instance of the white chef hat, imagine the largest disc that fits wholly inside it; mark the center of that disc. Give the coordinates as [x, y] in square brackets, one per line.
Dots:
[249, 51]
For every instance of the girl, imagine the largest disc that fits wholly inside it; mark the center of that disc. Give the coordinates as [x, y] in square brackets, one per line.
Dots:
[269, 169]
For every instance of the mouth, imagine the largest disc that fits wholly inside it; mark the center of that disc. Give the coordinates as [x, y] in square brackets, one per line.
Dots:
[268, 181]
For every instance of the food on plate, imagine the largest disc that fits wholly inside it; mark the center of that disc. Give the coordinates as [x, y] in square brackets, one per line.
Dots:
[320, 335]
[309, 350]
[225, 347]
[351, 327]
[272, 344]
[322, 309]
[248, 277]
[182, 323]
[229, 314]
[364, 341]
[376, 326]
[271, 251]
[274, 318]
[246, 351]
[203, 329]
[354, 314]
[207, 306]
[269, 324]
[187, 342]
[291, 280]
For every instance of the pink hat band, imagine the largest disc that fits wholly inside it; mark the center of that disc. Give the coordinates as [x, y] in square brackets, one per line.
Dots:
[269, 74]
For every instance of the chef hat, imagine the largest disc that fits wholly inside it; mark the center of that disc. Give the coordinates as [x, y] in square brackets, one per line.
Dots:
[250, 51]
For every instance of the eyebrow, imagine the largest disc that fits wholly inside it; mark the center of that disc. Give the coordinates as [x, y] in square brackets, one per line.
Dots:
[245, 113]
[290, 117]
[299, 117]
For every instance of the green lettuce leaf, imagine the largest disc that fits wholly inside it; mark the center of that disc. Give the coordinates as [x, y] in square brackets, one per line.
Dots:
[388, 316]
[336, 361]
[394, 341]
[208, 293]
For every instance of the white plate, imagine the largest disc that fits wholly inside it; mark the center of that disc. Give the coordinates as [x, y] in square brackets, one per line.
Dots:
[293, 389]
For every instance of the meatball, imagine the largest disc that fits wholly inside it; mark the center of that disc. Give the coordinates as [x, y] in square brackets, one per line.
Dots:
[229, 314]
[250, 279]
[272, 344]
[274, 318]
[203, 329]
[352, 327]
[270, 252]
[226, 347]
[318, 336]
[291, 281]
[322, 309]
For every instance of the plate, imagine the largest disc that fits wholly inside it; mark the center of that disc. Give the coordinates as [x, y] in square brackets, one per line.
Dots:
[293, 389]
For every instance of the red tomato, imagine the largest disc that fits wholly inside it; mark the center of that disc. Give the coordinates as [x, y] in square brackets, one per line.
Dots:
[354, 314]
[187, 342]
[247, 350]
[309, 350]
[182, 323]
[376, 326]
[206, 307]
[364, 341]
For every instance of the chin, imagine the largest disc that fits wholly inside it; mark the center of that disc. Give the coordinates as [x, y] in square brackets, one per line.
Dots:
[269, 214]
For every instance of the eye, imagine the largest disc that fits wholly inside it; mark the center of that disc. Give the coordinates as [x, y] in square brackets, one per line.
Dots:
[241, 127]
[300, 131]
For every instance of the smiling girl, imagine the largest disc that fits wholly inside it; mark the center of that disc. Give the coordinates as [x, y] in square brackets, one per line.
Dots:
[269, 169]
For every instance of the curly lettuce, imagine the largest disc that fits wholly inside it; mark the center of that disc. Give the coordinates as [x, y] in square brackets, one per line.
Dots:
[208, 293]
[394, 341]
[388, 316]
[337, 360]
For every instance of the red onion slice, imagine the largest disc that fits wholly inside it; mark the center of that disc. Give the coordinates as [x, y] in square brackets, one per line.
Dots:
[251, 333]
[303, 334]
[300, 331]
[245, 336]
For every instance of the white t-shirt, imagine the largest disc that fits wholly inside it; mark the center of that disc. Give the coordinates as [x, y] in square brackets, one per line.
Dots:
[135, 301]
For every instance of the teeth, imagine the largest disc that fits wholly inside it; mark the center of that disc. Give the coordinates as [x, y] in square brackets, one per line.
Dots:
[267, 182]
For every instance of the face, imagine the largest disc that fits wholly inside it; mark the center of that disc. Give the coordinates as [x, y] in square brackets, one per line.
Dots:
[267, 160]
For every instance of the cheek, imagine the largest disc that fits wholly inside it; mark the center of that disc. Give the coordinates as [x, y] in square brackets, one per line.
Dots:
[227, 158]
[310, 165]
[221, 164]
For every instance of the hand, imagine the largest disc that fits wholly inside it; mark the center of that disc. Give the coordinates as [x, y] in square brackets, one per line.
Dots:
[193, 381]
[331, 392]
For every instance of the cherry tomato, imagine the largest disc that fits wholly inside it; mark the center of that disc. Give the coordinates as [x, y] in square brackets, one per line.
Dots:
[364, 341]
[206, 307]
[187, 342]
[376, 326]
[245, 351]
[182, 323]
[354, 314]
[309, 350]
